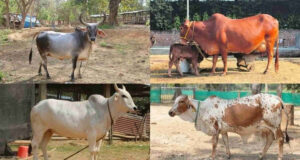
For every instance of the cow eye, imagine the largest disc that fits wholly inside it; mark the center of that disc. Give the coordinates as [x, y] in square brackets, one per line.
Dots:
[124, 96]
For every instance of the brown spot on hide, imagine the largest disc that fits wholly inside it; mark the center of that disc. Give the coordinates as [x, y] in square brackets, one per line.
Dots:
[242, 115]
[183, 104]
[279, 134]
[268, 123]
[216, 106]
[276, 107]
[213, 96]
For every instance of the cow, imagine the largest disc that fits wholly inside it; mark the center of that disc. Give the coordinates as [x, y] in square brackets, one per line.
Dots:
[180, 51]
[258, 114]
[223, 35]
[76, 45]
[246, 61]
[152, 40]
[90, 119]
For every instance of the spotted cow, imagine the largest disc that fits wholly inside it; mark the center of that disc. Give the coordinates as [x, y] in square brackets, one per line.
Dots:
[258, 114]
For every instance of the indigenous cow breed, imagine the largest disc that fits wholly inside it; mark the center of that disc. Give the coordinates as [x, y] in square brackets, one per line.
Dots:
[76, 45]
[258, 114]
[90, 119]
[181, 51]
[222, 35]
[246, 61]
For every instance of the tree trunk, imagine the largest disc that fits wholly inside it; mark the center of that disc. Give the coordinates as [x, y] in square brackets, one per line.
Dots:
[24, 7]
[113, 12]
[7, 14]
[177, 91]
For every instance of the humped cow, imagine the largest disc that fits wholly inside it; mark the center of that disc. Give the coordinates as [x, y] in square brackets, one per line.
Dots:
[221, 35]
[258, 114]
[76, 45]
[90, 119]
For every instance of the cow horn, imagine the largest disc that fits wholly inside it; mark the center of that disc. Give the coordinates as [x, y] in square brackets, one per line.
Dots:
[116, 87]
[123, 87]
[80, 19]
[104, 18]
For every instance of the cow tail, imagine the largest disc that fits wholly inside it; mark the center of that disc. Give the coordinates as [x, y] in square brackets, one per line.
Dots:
[287, 138]
[170, 53]
[277, 55]
[30, 53]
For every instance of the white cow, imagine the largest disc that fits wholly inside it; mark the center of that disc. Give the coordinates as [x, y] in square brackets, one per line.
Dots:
[88, 119]
[258, 114]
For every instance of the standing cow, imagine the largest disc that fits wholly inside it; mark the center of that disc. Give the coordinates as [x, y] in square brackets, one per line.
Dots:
[90, 119]
[76, 45]
[223, 35]
[259, 114]
[188, 52]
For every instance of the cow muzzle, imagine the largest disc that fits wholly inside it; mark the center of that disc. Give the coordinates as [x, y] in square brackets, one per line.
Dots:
[171, 113]
[93, 39]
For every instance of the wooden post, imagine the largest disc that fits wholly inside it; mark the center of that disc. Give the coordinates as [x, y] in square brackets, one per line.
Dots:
[42, 91]
[107, 94]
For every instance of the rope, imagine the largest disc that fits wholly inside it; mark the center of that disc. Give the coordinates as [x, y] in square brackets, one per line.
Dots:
[200, 51]
[197, 114]
[112, 122]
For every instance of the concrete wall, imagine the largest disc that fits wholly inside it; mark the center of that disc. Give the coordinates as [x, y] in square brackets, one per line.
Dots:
[16, 101]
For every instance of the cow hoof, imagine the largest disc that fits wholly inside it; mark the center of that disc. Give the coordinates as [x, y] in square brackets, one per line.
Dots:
[228, 156]
[40, 74]
[48, 77]
[265, 72]
[223, 74]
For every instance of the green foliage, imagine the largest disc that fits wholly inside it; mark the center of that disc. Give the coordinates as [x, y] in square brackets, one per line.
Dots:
[1, 76]
[177, 22]
[161, 14]
[205, 16]
[130, 5]
[196, 17]
[286, 12]
[106, 26]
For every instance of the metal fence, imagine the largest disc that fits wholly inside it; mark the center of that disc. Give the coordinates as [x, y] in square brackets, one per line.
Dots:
[132, 126]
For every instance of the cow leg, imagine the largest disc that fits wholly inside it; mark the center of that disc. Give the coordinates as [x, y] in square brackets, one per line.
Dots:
[226, 143]
[92, 145]
[36, 140]
[269, 139]
[224, 59]
[98, 145]
[195, 66]
[44, 58]
[178, 68]
[170, 67]
[79, 74]
[74, 62]
[280, 143]
[40, 69]
[215, 140]
[215, 59]
[270, 52]
[46, 138]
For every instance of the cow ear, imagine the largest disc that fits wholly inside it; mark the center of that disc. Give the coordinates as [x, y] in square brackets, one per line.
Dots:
[82, 29]
[192, 107]
[101, 33]
[116, 96]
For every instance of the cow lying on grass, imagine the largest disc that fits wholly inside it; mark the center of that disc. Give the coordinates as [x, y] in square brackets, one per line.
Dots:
[188, 52]
[258, 114]
[90, 119]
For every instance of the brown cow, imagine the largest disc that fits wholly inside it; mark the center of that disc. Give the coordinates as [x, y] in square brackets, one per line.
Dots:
[223, 35]
[181, 51]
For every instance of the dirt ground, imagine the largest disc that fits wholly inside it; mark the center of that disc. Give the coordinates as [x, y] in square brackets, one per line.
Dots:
[119, 150]
[121, 57]
[173, 138]
[288, 69]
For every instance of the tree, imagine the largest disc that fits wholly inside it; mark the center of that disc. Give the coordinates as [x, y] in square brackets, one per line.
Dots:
[7, 19]
[113, 12]
[24, 6]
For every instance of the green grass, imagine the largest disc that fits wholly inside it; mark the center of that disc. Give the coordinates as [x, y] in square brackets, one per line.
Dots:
[121, 48]
[3, 35]
[2, 75]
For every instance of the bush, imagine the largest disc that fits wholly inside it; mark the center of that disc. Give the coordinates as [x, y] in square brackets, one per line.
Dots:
[205, 16]
[177, 22]
[196, 17]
